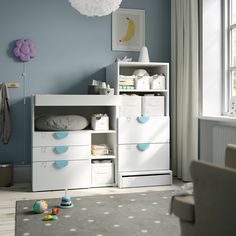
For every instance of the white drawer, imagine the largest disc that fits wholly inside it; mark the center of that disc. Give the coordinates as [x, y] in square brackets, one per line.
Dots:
[102, 174]
[143, 157]
[61, 153]
[152, 130]
[61, 138]
[47, 176]
[152, 179]
[131, 106]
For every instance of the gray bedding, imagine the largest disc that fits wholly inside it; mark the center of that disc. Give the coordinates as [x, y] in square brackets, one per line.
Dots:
[61, 122]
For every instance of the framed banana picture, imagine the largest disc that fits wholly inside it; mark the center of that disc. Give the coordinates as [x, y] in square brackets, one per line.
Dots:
[128, 29]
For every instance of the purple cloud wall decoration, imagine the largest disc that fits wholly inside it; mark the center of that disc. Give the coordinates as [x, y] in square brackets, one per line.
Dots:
[25, 50]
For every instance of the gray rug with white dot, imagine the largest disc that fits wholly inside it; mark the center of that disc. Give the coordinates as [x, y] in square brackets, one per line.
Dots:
[103, 215]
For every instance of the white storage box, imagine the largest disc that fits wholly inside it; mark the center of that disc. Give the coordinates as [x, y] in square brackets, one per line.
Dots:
[100, 122]
[130, 106]
[102, 174]
[158, 82]
[142, 83]
[153, 106]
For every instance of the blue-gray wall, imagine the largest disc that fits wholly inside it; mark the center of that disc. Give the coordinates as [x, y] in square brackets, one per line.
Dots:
[72, 50]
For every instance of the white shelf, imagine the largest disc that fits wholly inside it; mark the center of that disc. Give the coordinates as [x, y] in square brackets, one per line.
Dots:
[111, 131]
[144, 91]
[99, 157]
[142, 64]
[76, 100]
[103, 131]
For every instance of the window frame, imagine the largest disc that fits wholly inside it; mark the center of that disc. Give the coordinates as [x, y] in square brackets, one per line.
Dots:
[227, 56]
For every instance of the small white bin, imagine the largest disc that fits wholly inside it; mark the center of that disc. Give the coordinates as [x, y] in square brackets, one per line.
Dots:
[102, 174]
[100, 122]
[158, 82]
[153, 106]
[142, 83]
[131, 106]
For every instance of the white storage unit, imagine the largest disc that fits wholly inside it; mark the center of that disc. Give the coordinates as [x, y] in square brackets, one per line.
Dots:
[144, 127]
[62, 159]
[138, 134]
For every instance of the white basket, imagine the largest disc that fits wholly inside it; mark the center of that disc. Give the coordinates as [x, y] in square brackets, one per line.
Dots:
[100, 123]
[158, 82]
[153, 106]
[102, 174]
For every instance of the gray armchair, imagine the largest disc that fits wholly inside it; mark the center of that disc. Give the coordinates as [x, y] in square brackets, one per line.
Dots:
[212, 210]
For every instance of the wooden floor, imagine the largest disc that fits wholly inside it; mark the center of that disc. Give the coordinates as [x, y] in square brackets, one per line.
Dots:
[9, 196]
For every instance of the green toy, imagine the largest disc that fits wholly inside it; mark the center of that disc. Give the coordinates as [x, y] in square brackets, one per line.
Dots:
[40, 206]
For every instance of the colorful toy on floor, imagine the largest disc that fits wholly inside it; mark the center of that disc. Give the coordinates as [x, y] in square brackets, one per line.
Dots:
[55, 211]
[50, 217]
[40, 206]
[66, 201]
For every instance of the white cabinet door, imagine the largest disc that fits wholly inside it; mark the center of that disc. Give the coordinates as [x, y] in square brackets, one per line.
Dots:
[151, 157]
[51, 175]
[154, 129]
[61, 153]
[61, 138]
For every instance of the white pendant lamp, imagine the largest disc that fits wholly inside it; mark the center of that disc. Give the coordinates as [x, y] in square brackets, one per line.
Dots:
[95, 7]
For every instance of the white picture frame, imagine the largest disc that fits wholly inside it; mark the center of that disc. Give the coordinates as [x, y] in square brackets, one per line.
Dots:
[128, 29]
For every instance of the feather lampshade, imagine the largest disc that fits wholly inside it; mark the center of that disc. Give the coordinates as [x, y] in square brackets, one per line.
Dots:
[95, 7]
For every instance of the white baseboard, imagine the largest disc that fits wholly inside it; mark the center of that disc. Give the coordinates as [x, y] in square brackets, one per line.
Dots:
[22, 173]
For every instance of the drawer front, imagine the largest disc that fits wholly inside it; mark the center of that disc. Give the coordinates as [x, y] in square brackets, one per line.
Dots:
[61, 153]
[61, 138]
[148, 180]
[102, 174]
[55, 175]
[143, 130]
[144, 157]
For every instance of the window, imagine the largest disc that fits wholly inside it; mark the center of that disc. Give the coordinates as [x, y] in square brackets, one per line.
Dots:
[231, 58]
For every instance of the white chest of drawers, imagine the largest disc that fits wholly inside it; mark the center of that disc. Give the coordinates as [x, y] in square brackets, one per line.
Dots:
[61, 160]
[143, 127]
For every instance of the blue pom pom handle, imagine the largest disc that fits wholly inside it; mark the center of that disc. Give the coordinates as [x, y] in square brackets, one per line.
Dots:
[61, 164]
[143, 119]
[61, 149]
[143, 146]
[61, 134]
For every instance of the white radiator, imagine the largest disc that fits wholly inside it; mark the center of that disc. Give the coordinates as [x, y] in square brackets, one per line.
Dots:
[222, 136]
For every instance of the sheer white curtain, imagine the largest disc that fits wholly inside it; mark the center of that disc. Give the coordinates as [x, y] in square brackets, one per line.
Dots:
[184, 86]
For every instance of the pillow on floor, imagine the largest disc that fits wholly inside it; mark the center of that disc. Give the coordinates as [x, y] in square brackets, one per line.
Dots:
[61, 122]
